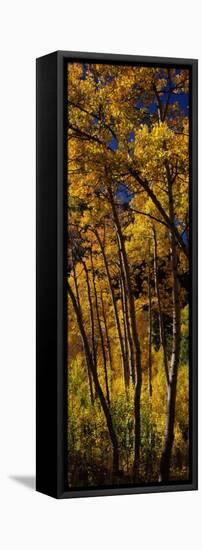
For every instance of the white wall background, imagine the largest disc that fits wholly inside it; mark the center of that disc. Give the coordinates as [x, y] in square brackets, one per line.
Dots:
[29, 29]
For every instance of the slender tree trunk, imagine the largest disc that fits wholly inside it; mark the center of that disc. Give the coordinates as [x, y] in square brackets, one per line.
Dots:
[116, 315]
[138, 383]
[87, 366]
[161, 322]
[126, 354]
[92, 320]
[92, 324]
[149, 333]
[128, 337]
[107, 333]
[172, 388]
[92, 367]
[101, 333]
[76, 285]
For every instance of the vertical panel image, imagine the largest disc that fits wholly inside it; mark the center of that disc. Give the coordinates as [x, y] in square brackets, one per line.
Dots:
[128, 281]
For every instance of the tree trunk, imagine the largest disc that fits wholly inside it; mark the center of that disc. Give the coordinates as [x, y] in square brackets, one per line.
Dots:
[106, 332]
[92, 324]
[116, 316]
[161, 322]
[92, 367]
[87, 366]
[76, 285]
[101, 333]
[149, 333]
[128, 337]
[138, 383]
[172, 388]
[126, 355]
[92, 320]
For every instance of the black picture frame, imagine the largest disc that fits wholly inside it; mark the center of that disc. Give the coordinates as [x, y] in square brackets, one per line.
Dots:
[51, 323]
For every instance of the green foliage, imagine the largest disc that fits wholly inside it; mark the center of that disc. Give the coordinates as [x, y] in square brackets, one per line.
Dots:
[90, 456]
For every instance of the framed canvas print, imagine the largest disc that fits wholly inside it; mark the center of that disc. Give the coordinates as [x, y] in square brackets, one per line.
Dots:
[116, 274]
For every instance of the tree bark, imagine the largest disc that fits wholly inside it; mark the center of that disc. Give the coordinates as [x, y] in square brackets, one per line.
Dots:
[76, 285]
[92, 324]
[92, 367]
[116, 315]
[101, 333]
[149, 332]
[126, 354]
[129, 341]
[87, 366]
[138, 383]
[106, 332]
[161, 321]
[172, 388]
[92, 320]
